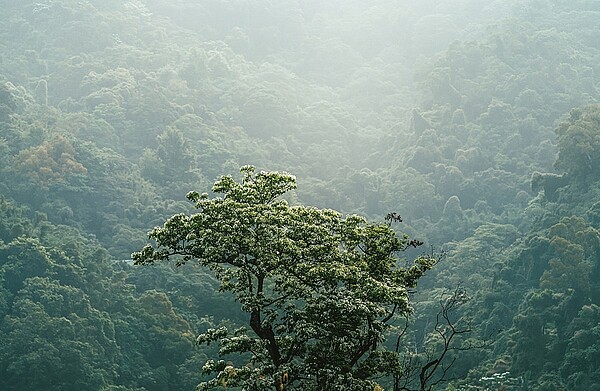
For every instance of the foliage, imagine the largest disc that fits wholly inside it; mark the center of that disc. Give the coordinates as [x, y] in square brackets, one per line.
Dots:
[320, 289]
[456, 113]
[579, 143]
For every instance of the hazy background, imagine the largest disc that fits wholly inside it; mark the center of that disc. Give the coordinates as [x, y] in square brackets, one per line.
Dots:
[477, 121]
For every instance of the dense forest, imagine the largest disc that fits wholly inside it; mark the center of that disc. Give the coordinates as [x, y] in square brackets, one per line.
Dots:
[478, 122]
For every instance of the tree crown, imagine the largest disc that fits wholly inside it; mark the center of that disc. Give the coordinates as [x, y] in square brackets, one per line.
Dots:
[321, 289]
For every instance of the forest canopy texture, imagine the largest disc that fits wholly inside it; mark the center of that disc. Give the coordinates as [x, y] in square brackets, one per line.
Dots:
[476, 121]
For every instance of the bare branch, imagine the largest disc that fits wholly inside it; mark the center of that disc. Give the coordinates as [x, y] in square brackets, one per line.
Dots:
[435, 367]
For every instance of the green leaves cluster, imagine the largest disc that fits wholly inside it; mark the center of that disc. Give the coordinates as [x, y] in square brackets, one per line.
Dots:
[321, 289]
[105, 138]
[579, 143]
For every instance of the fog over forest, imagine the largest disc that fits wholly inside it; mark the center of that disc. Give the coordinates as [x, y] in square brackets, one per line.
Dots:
[383, 195]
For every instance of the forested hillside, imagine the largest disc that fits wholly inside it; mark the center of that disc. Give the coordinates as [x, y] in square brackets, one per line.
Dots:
[477, 121]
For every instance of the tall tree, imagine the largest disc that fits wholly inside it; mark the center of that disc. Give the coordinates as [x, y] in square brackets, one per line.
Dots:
[579, 143]
[321, 289]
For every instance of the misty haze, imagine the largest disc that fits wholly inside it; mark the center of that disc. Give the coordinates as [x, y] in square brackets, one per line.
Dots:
[310, 195]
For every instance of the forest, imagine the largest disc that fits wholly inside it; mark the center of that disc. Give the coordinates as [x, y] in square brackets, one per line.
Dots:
[462, 134]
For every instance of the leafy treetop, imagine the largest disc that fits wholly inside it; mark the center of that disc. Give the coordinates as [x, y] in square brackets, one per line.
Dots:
[579, 143]
[321, 289]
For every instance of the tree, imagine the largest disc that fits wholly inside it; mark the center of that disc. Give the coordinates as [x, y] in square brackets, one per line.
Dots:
[321, 289]
[579, 143]
[56, 340]
[424, 371]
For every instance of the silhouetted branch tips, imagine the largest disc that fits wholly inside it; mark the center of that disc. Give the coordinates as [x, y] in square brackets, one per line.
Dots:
[415, 243]
[393, 217]
[424, 371]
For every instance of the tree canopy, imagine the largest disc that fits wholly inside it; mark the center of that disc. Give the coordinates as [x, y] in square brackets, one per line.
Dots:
[321, 289]
[477, 120]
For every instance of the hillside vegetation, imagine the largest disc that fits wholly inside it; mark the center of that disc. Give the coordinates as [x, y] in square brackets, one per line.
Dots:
[477, 121]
